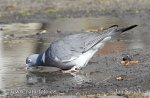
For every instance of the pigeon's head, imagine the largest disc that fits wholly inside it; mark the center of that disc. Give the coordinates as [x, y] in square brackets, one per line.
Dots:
[32, 60]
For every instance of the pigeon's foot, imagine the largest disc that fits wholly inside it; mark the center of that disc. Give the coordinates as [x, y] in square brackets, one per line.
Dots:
[72, 71]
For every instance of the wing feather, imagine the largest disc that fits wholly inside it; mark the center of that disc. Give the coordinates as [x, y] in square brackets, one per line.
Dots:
[71, 47]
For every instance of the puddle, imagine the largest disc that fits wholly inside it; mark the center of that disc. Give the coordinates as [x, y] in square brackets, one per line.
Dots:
[14, 52]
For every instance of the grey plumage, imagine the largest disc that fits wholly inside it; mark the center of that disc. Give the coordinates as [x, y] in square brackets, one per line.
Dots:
[67, 52]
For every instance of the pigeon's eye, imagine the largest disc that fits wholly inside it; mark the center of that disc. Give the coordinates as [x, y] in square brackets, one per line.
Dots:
[29, 60]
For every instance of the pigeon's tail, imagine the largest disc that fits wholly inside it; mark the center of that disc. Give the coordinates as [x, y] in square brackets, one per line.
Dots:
[117, 31]
[126, 28]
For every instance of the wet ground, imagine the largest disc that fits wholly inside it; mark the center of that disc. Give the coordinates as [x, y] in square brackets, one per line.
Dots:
[98, 78]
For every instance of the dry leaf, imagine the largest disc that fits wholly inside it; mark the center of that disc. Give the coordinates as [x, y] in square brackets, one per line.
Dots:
[129, 62]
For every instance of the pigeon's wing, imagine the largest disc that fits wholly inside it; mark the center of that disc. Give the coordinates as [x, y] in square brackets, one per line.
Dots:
[71, 47]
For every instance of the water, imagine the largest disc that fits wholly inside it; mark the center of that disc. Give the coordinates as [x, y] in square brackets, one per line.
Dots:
[14, 52]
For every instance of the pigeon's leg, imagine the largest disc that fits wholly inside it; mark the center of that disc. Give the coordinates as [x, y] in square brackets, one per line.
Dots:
[72, 70]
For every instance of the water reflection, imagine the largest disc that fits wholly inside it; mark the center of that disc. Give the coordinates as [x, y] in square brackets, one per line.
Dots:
[55, 79]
